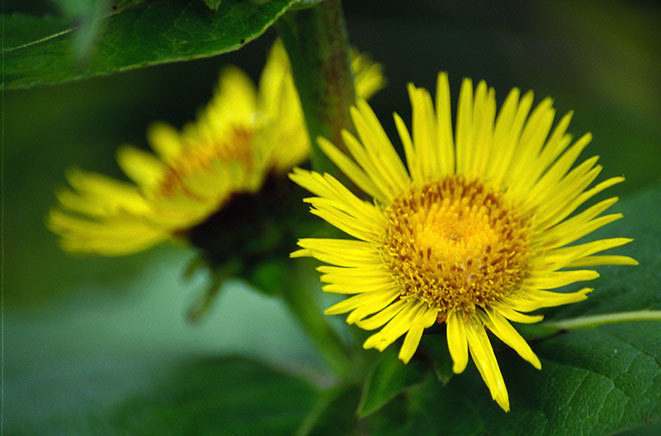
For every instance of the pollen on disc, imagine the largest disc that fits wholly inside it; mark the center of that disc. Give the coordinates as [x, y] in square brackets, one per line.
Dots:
[455, 245]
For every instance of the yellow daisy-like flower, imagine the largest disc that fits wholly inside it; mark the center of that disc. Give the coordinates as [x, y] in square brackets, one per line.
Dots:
[242, 135]
[474, 233]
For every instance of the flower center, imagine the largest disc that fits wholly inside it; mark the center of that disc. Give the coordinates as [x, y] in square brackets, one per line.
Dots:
[201, 157]
[455, 245]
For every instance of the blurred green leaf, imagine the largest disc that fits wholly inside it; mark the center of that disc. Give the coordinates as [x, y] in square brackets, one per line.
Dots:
[436, 347]
[387, 378]
[155, 33]
[302, 302]
[432, 409]
[224, 396]
[333, 414]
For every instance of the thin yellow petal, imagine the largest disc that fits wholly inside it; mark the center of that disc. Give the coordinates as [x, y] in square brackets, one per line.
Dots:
[530, 299]
[165, 141]
[381, 318]
[444, 122]
[457, 342]
[142, 167]
[515, 316]
[367, 298]
[602, 260]
[486, 363]
[558, 279]
[506, 333]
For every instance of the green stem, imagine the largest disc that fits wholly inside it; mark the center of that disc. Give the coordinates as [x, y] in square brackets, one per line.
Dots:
[318, 48]
[302, 304]
[608, 318]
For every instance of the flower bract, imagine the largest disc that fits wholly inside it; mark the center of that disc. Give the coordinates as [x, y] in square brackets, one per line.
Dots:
[475, 231]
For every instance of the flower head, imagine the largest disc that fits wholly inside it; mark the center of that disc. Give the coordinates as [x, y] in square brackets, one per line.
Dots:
[473, 232]
[242, 135]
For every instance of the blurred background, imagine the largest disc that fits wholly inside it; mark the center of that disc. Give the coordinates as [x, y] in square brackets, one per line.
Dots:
[86, 333]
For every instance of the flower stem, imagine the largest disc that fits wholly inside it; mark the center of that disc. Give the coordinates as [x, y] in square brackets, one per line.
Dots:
[318, 48]
[300, 301]
[608, 318]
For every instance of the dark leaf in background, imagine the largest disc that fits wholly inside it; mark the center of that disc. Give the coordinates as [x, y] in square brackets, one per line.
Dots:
[224, 396]
[155, 33]
[387, 378]
[436, 348]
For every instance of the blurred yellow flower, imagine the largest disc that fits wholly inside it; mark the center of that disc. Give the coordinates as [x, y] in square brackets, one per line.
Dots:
[240, 137]
[473, 234]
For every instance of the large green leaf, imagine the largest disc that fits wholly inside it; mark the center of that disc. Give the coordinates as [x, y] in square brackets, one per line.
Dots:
[628, 287]
[40, 49]
[225, 396]
[593, 382]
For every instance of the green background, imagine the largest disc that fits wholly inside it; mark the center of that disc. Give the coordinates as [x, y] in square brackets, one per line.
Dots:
[101, 345]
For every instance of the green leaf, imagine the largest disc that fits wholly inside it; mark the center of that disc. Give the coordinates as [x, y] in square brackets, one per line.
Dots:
[21, 29]
[125, 4]
[224, 396]
[436, 347]
[154, 33]
[387, 378]
[227, 396]
[626, 288]
[593, 382]
[433, 409]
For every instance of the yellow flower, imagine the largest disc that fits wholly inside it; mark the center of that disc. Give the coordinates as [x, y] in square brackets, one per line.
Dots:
[240, 137]
[474, 233]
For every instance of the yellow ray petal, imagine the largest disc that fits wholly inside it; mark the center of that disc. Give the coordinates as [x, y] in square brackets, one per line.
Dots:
[165, 141]
[397, 326]
[510, 136]
[486, 363]
[381, 318]
[506, 333]
[532, 299]
[444, 122]
[141, 167]
[602, 260]
[515, 316]
[349, 168]
[368, 298]
[457, 342]
[413, 336]
[558, 279]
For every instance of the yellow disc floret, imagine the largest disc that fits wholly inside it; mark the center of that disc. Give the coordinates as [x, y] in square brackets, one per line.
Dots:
[455, 245]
